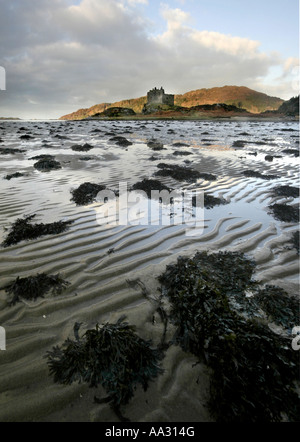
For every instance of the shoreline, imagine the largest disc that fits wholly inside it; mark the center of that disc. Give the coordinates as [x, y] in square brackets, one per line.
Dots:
[171, 118]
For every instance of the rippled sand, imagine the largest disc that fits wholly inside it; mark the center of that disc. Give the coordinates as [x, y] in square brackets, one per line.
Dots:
[100, 289]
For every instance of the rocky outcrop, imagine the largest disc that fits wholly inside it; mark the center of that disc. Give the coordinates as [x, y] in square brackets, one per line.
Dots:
[114, 112]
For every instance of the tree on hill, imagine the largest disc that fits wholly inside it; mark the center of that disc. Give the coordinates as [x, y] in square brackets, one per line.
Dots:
[290, 107]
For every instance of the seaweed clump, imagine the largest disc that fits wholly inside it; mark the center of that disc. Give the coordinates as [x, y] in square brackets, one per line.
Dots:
[82, 148]
[294, 152]
[295, 241]
[121, 141]
[155, 145]
[210, 201]
[42, 157]
[14, 175]
[47, 164]
[281, 308]
[181, 173]
[149, 185]
[254, 370]
[22, 229]
[32, 287]
[288, 191]
[255, 174]
[285, 213]
[111, 355]
[86, 193]
[8, 150]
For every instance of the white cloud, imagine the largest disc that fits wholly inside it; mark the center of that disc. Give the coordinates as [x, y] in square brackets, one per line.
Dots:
[291, 63]
[62, 55]
[135, 2]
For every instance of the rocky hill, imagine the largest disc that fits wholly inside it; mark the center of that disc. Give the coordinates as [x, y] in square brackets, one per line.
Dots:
[239, 96]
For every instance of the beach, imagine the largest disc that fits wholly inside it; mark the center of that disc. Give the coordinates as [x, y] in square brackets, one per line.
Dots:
[109, 267]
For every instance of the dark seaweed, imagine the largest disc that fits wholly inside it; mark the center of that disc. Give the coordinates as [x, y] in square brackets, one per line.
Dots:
[26, 137]
[111, 355]
[85, 158]
[286, 191]
[269, 158]
[294, 152]
[14, 175]
[32, 287]
[212, 201]
[47, 164]
[121, 141]
[85, 148]
[155, 145]
[42, 157]
[295, 241]
[22, 229]
[254, 370]
[86, 193]
[254, 174]
[239, 143]
[285, 213]
[149, 185]
[181, 173]
[279, 306]
[180, 145]
[181, 152]
[8, 150]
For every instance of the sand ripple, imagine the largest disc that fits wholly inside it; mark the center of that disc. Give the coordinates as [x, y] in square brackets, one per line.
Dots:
[99, 289]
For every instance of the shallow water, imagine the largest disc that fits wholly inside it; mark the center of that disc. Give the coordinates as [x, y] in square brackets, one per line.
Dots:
[99, 290]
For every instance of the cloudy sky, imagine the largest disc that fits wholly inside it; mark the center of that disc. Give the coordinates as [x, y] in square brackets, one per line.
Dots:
[62, 55]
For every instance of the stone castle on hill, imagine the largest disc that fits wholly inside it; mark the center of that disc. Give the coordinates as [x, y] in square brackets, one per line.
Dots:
[158, 96]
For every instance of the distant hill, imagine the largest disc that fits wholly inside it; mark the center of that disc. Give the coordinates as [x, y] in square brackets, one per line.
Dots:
[239, 96]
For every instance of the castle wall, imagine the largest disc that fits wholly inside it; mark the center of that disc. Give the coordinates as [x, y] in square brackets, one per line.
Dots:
[168, 99]
[158, 96]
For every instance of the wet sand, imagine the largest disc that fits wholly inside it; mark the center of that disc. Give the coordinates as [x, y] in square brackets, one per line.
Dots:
[100, 289]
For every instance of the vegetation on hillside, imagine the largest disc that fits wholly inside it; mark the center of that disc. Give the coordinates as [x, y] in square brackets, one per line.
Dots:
[241, 97]
[290, 107]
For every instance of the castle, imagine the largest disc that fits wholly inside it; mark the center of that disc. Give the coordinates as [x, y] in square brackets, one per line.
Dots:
[158, 96]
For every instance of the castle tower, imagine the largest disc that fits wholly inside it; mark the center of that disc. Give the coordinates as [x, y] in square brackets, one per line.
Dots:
[158, 96]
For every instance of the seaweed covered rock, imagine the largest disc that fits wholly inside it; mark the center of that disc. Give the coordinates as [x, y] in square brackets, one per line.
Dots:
[295, 241]
[47, 164]
[280, 307]
[23, 229]
[255, 174]
[114, 112]
[111, 355]
[285, 213]
[149, 185]
[155, 145]
[254, 370]
[81, 148]
[288, 191]
[86, 193]
[182, 152]
[210, 201]
[14, 175]
[181, 173]
[9, 150]
[26, 137]
[32, 287]
[121, 141]
[294, 152]
[42, 157]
